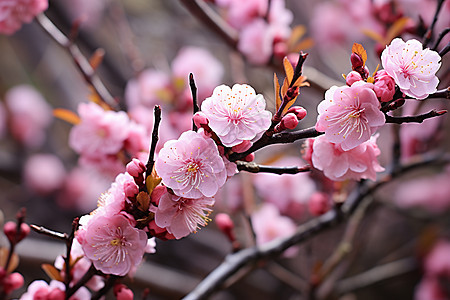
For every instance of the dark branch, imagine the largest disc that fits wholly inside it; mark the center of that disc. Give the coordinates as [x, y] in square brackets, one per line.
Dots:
[151, 155]
[194, 98]
[108, 285]
[51, 233]
[440, 37]
[279, 138]
[255, 168]
[415, 119]
[429, 34]
[83, 280]
[444, 50]
[67, 263]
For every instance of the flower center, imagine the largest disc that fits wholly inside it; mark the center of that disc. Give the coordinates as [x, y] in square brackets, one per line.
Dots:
[116, 242]
[189, 174]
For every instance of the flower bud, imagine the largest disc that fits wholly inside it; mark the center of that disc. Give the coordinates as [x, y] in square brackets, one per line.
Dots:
[122, 292]
[130, 189]
[352, 77]
[242, 147]
[289, 121]
[200, 119]
[10, 230]
[135, 167]
[226, 225]
[12, 282]
[384, 86]
[250, 157]
[299, 111]
[356, 61]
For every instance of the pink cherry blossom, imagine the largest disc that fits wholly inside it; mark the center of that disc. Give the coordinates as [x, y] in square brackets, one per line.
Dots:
[357, 163]
[115, 198]
[182, 216]
[285, 191]
[349, 115]
[100, 132]
[44, 173]
[236, 114]
[269, 225]
[241, 13]
[413, 68]
[14, 13]
[384, 86]
[191, 166]
[256, 41]
[39, 289]
[112, 244]
[29, 115]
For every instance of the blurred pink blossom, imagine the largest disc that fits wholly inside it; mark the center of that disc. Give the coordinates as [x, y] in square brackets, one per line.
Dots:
[357, 163]
[236, 114]
[182, 216]
[285, 191]
[413, 68]
[269, 225]
[191, 166]
[39, 289]
[349, 115]
[44, 173]
[112, 244]
[241, 13]
[90, 12]
[29, 115]
[14, 13]
[256, 41]
[150, 88]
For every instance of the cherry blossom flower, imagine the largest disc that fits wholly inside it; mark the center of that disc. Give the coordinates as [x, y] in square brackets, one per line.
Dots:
[256, 41]
[191, 166]
[29, 115]
[413, 68]
[182, 216]
[236, 114]
[99, 132]
[149, 89]
[241, 13]
[39, 289]
[357, 163]
[44, 173]
[14, 13]
[384, 86]
[112, 244]
[349, 115]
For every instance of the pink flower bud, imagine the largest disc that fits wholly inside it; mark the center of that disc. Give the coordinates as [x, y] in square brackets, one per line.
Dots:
[249, 157]
[242, 147]
[122, 292]
[352, 77]
[319, 204]
[130, 189]
[200, 119]
[289, 121]
[384, 86]
[356, 61]
[157, 193]
[135, 167]
[10, 230]
[226, 225]
[299, 111]
[12, 282]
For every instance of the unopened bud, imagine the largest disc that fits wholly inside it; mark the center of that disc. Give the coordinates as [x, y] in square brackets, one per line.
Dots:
[12, 282]
[289, 121]
[10, 230]
[130, 189]
[122, 292]
[299, 112]
[356, 61]
[242, 147]
[352, 77]
[226, 225]
[250, 157]
[135, 167]
[200, 119]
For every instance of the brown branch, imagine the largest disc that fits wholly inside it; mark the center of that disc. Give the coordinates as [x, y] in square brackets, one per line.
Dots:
[235, 262]
[155, 138]
[415, 119]
[194, 98]
[50, 233]
[429, 34]
[80, 61]
[255, 168]
[440, 37]
[67, 262]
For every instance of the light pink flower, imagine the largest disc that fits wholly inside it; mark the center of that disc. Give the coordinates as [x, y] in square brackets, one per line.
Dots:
[14, 13]
[285, 191]
[349, 115]
[413, 69]
[100, 132]
[236, 114]
[357, 163]
[113, 201]
[191, 166]
[39, 289]
[384, 86]
[44, 173]
[269, 225]
[256, 41]
[241, 13]
[207, 70]
[182, 216]
[29, 115]
[112, 244]
[90, 12]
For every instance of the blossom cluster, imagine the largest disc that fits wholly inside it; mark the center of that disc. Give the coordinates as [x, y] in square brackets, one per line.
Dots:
[350, 115]
[14, 13]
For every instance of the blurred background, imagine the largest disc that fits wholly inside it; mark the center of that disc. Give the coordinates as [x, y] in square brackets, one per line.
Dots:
[149, 49]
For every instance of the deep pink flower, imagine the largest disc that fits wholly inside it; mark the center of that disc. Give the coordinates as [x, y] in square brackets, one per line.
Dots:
[357, 163]
[352, 77]
[39, 289]
[182, 216]
[236, 114]
[384, 86]
[100, 132]
[191, 166]
[112, 244]
[413, 68]
[14, 13]
[350, 115]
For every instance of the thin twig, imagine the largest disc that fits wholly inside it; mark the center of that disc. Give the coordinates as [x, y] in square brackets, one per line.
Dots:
[255, 168]
[444, 50]
[429, 34]
[440, 37]
[83, 280]
[67, 263]
[108, 285]
[80, 61]
[50, 233]
[151, 155]
[234, 262]
[415, 119]
[194, 98]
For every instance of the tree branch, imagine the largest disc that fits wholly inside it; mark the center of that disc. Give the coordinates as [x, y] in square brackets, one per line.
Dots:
[429, 34]
[151, 155]
[234, 262]
[50, 233]
[415, 119]
[255, 168]
[80, 61]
